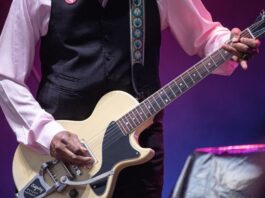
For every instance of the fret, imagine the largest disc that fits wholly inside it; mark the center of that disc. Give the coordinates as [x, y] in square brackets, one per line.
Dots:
[191, 77]
[227, 54]
[128, 122]
[140, 113]
[146, 107]
[213, 61]
[164, 96]
[135, 116]
[154, 103]
[210, 65]
[156, 97]
[172, 90]
[201, 70]
[123, 130]
[174, 86]
[126, 129]
[183, 81]
[179, 87]
[221, 54]
[150, 107]
[218, 58]
[159, 100]
[123, 123]
[162, 99]
[249, 33]
[205, 68]
[187, 79]
[171, 95]
[194, 75]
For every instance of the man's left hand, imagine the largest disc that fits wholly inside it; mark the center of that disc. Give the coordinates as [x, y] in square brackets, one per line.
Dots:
[242, 48]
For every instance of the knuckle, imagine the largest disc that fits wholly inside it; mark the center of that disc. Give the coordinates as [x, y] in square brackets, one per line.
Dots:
[73, 157]
[75, 150]
[57, 147]
[74, 135]
[245, 48]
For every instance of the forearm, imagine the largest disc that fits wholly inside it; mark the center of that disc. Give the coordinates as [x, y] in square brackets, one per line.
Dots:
[192, 26]
[32, 125]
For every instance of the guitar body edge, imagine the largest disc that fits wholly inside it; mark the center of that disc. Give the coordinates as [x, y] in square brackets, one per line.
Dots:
[111, 107]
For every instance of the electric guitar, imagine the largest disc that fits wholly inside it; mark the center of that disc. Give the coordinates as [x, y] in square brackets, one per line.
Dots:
[110, 135]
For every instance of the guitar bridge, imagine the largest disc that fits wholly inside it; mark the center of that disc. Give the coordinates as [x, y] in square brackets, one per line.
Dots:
[47, 180]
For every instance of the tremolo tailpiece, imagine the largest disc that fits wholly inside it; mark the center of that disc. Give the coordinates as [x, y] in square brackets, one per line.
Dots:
[38, 187]
[65, 180]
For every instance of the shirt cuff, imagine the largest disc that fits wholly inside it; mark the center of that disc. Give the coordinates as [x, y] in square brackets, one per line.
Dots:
[48, 131]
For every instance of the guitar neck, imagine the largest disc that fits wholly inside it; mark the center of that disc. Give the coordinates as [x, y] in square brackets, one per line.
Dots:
[175, 88]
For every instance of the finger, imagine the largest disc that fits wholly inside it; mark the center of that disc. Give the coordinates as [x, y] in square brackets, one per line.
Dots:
[240, 47]
[244, 64]
[253, 43]
[245, 52]
[231, 50]
[71, 158]
[76, 146]
[66, 146]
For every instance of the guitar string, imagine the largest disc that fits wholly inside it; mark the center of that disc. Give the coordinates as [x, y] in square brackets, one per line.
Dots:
[156, 97]
[117, 136]
[111, 138]
[109, 134]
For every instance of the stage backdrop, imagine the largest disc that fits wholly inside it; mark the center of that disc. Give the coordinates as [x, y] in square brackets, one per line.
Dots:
[218, 111]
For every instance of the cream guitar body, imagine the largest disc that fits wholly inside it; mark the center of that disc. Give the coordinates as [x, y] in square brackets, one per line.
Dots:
[111, 151]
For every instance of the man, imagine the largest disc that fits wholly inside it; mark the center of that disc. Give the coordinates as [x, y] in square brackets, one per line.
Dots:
[85, 53]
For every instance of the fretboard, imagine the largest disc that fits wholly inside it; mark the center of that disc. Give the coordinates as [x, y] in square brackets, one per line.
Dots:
[175, 88]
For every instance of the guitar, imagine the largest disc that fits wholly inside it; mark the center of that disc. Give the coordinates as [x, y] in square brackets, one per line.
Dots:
[114, 126]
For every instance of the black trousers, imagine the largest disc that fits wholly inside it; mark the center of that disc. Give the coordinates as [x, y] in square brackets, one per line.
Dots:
[145, 180]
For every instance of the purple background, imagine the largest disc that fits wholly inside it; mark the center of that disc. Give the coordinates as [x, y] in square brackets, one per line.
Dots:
[218, 111]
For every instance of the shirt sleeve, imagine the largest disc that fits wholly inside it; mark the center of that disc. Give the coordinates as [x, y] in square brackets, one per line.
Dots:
[192, 26]
[25, 23]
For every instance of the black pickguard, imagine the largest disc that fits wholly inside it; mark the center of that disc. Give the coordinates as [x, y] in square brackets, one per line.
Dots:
[114, 151]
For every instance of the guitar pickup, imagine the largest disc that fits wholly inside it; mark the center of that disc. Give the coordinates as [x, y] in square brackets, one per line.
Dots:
[74, 169]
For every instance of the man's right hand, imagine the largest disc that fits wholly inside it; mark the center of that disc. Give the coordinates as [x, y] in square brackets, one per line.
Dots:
[66, 146]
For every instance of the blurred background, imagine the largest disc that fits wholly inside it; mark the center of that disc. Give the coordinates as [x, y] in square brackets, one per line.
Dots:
[219, 111]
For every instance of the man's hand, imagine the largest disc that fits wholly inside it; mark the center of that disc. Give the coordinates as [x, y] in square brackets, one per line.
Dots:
[67, 147]
[242, 48]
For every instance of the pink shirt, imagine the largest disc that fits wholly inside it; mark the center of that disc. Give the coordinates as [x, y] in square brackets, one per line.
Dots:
[189, 21]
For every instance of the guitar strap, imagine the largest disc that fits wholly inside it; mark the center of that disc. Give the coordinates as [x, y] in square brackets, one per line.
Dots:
[137, 39]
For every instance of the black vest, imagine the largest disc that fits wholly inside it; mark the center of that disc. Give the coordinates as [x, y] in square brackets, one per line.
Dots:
[86, 53]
